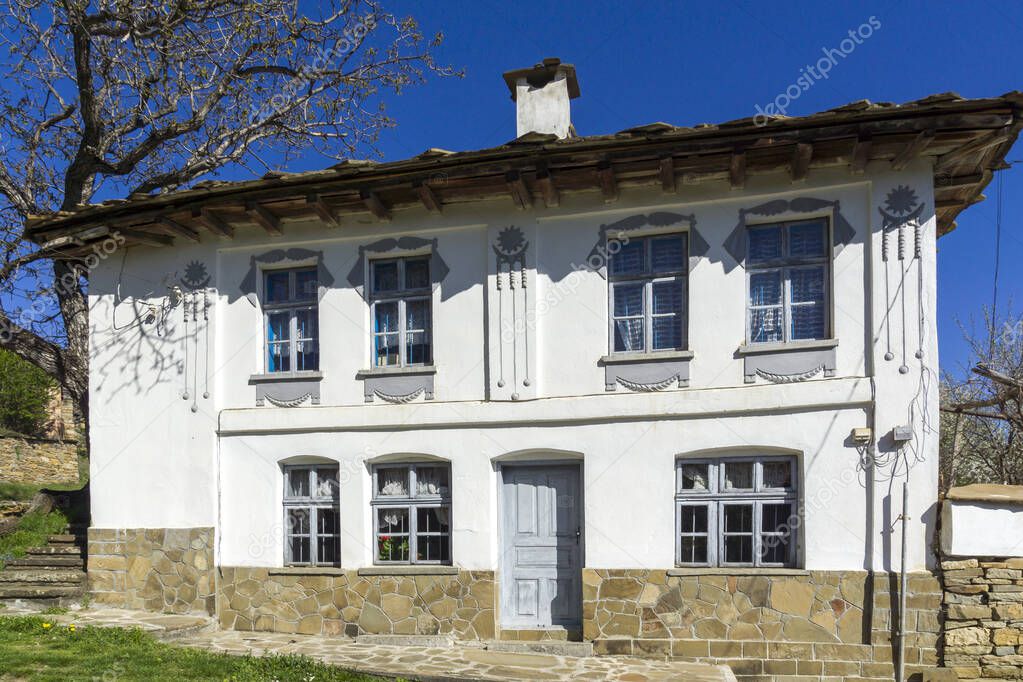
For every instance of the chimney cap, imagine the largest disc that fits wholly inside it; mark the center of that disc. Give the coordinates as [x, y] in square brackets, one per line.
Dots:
[543, 73]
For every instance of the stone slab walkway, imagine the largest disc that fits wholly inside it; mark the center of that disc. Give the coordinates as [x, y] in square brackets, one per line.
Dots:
[426, 664]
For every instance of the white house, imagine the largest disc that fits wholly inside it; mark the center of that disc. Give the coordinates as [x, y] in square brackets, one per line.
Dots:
[656, 389]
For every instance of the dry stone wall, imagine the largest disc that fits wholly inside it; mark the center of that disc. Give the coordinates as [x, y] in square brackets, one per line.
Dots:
[984, 618]
[38, 460]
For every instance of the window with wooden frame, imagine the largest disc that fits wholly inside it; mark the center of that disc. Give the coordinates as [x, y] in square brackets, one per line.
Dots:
[312, 519]
[788, 271]
[647, 293]
[400, 291]
[739, 511]
[412, 513]
[291, 320]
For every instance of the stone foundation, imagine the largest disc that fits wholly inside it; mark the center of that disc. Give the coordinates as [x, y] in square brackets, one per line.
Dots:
[156, 569]
[767, 623]
[984, 618]
[38, 460]
[352, 602]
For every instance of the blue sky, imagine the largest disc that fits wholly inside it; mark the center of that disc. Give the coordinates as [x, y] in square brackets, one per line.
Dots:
[687, 63]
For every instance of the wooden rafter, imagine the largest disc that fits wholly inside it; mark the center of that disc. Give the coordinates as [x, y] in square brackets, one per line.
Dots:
[428, 197]
[375, 205]
[956, 157]
[608, 181]
[737, 170]
[913, 149]
[861, 154]
[520, 193]
[800, 165]
[147, 238]
[945, 181]
[264, 218]
[177, 228]
[323, 211]
[667, 173]
[212, 222]
[548, 189]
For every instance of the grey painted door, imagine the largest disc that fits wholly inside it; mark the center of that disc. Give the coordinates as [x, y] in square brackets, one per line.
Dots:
[541, 547]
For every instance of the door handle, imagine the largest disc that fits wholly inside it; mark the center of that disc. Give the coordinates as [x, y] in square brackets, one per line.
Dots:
[578, 534]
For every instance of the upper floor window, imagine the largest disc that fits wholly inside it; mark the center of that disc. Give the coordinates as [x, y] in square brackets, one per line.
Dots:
[400, 291]
[736, 511]
[312, 520]
[412, 513]
[291, 320]
[647, 280]
[787, 267]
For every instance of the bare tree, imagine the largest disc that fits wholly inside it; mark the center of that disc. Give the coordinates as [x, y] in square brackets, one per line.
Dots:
[982, 411]
[103, 99]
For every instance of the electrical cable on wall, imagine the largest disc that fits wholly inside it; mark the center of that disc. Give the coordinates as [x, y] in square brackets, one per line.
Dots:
[887, 321]
[206, 342]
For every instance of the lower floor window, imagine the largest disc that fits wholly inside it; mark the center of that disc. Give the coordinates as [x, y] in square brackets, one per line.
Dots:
[736, 512]
[312, 520]
[412, 513]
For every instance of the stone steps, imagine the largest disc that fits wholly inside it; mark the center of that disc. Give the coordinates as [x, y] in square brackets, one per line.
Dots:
[41, 576]
[57, 562]
[41, 593]
[53, 574]
[68, 550]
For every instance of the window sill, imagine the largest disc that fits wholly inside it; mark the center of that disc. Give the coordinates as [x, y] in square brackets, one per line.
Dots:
[736, 571]
[781, 347]
[272, 377]
[620, 358]
[416, 370]
[308, 570]
[409, 570]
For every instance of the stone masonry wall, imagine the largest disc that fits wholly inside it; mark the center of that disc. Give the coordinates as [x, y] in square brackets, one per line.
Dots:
[338, 601]
[38, 460]
[838, 623]
[984, 618]
[156, 569]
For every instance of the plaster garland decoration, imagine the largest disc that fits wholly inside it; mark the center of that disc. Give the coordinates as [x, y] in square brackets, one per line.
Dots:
[399, 399]
[902, 209]
[294, 402]
[789, 378]
[510, 249]
[648, 388]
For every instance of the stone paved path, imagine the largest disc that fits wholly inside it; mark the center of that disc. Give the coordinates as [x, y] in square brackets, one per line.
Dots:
[411, 662]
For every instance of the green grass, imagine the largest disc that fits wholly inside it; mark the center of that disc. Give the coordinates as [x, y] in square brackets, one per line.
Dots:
[30, 650]
[19, 492]
[32, 531]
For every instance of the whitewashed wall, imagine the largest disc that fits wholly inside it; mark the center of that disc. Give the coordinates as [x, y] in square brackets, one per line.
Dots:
[158, 464]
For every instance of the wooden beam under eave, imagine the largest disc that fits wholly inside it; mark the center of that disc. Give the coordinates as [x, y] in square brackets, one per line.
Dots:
[375, 205]
[860, 155]
[177, 228]
[322, 210]
[608, 182]
[956, 157]
[737, 170]
[945, 181]
[667, 173]
[212, 222]
[147, 238]
[912, 149]
[800, 165]
[264, 218]
[428, 197]
[520, 194]
[548, 190]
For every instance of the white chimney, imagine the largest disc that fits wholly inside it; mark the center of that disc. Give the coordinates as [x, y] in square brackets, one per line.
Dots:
[541, 94]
